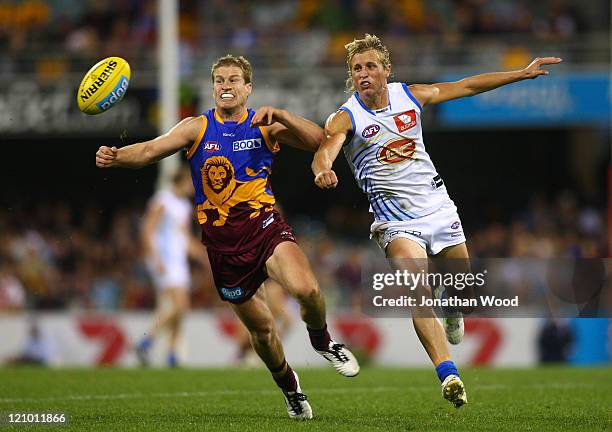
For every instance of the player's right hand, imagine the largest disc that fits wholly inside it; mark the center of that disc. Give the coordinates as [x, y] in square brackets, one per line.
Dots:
[106, 156]
[326, 179]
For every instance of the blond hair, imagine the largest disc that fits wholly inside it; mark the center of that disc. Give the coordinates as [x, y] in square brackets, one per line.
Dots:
[369, 42]
[239, 62]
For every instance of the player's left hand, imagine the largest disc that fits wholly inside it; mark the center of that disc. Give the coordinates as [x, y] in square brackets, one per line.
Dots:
[534, 69]
[265, 116]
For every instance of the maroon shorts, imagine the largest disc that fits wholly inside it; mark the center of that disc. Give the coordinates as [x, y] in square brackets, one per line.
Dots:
[238, 276]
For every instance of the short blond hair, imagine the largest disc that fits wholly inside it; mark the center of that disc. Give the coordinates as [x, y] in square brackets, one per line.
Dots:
[369, 42]
[239, 62]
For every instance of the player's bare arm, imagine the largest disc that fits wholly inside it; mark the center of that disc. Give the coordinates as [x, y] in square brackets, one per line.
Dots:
[289, 129]
[148, 152]
[470, 86]
[337, 129]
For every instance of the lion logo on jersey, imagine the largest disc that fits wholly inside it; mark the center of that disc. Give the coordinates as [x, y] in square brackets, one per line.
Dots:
[217, 174]
[224, 191]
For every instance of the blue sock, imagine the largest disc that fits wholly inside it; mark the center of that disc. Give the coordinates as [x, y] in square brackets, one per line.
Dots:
[445, 369]
[172, 359]
[145, 343]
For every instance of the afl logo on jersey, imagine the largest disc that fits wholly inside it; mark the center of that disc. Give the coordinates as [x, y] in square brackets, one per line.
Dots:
[370, 131]
[396, 151]
[405, 120]
[211, 146]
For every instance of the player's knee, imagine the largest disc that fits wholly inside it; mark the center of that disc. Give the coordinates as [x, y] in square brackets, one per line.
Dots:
[263, 336]
[177, 312]
[307, 292]
[182, 308]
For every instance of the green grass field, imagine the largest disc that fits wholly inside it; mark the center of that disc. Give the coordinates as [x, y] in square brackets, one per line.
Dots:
[379, 399]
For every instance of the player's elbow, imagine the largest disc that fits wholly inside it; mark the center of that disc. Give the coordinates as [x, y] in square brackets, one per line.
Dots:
[469, 91]
[315, 141]
[148, 155]
[320, 137]
[466, 88]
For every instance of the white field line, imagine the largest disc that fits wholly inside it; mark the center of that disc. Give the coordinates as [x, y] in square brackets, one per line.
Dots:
[409, 389]
[190, 394]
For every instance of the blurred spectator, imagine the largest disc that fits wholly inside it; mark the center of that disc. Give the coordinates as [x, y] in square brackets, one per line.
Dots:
[12, 293]
[57, 256]
[105, 292]
[53, 37]
[349, 277]
[38, 349]
[554, 342]
[89, 262]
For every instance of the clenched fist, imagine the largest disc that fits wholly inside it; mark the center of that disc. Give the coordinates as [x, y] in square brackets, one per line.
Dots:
[106, 157]
[326, 179]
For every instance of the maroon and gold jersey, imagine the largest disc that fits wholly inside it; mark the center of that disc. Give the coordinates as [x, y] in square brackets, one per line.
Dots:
[230, 167]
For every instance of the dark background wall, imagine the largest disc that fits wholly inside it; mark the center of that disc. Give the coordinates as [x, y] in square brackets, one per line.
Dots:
[490, 174]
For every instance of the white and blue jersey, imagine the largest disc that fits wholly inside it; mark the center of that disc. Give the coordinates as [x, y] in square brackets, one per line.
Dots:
[387, 156]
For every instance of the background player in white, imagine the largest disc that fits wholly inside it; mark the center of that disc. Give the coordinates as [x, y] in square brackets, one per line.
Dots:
[379, 128]
[168, 243]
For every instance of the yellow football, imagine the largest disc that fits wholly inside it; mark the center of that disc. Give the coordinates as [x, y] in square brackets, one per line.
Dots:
[104, 85]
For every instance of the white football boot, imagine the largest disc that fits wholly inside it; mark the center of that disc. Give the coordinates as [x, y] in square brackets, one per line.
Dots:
[452, 322]
[341, 359]
[297, 404]
[453, 391]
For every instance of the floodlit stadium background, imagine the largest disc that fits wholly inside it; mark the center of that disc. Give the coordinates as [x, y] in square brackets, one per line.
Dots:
[527, 165]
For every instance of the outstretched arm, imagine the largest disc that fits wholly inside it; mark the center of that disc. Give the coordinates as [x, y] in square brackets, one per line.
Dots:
[470, 86]
[289, 129]
[148, 152]
[337, 129]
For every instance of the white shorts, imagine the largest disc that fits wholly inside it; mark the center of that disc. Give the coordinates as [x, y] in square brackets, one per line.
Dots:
[175, 276]
[433, 232]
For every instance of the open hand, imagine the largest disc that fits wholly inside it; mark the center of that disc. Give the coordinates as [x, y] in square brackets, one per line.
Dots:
[534, 69]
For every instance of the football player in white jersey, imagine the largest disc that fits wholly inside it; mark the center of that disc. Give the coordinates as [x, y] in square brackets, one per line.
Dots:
[379, 128]
[168, 244]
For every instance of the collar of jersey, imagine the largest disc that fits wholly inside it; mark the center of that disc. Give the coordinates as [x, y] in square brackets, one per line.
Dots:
[242, 119]
[380, 111]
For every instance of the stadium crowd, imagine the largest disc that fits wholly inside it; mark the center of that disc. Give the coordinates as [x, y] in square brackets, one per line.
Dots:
[56, 256]
[53, 37]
